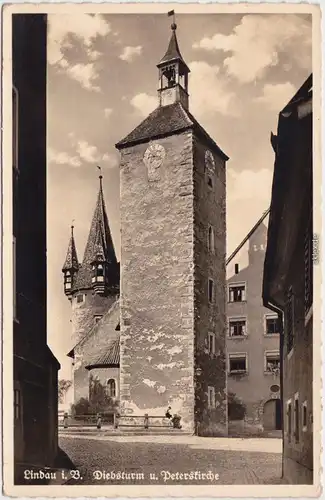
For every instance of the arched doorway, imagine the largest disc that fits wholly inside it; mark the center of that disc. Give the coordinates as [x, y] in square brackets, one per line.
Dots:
[272, 415]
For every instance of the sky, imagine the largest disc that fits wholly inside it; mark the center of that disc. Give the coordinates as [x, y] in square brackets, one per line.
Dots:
[102, 82]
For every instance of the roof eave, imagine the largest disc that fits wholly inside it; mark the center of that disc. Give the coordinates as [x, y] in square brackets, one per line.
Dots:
[91, 366]
[126, 144]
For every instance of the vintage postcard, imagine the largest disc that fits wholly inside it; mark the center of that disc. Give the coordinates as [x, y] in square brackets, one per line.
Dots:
[161, 250]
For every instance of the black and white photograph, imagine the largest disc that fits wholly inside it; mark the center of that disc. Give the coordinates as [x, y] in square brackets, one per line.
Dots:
[161, 261]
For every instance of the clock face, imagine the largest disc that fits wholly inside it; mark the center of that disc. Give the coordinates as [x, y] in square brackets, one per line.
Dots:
[154, 156]
[209, 161]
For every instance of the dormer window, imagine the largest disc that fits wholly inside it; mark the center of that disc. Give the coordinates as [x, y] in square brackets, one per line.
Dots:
[67, 280]
[98, 273]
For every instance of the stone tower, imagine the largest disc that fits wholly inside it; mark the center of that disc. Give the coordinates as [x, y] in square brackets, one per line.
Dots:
[91, 287]
[173, 240]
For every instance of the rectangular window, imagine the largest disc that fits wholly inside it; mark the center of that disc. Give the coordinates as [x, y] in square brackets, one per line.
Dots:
[210, 239]
[236, 268]
[304, 416]
[210, 290]
[237, 363]
[15, 128]
[308, 258]
[289, 320]
[211, 397]
[289, 420]
[237, 327]
[80, 298]
[272, 362]
[296, 418]
[17, 404]
[237, 292]
[211, 343]
[14, 260]
[272, 325]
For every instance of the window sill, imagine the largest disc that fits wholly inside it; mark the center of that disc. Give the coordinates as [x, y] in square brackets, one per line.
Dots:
[272, 335]
[237, 302]
[239, 372]
[309, 315]
[237, 337]
[271, 373]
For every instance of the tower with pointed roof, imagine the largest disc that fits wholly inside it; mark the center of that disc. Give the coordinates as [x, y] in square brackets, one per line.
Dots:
[173, 243]
[92, 287]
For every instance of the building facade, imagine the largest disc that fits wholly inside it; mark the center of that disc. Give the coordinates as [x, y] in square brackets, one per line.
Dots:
[92, 288]
[35, 367]
[253, 348]
[171, 341]
[288, 278]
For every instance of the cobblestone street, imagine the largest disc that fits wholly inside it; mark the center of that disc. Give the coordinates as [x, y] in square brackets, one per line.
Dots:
[158, 459]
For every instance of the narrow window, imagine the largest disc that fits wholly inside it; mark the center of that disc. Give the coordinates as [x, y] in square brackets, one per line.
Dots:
[211, 290]
[211, 343]
[304, 416]
[97, 318]
[211, 397]
[296, 418]
[17, 404]
[236, 268]
[237, 363]
[210, 239]
[289, 420]
[111, 388]
[237, 327]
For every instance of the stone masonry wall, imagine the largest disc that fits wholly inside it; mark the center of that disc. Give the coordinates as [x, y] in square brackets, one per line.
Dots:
[210, 210]
[85, 351]
[157, 352]
[83, 313]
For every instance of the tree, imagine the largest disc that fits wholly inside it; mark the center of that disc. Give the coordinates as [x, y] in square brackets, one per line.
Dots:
[63, 387]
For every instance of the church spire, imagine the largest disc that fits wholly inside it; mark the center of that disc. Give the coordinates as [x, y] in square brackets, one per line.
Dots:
[173, 73]
[71, 264]
[99, 234]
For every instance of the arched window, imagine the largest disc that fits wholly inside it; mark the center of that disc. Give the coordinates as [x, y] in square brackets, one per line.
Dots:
[111, 388]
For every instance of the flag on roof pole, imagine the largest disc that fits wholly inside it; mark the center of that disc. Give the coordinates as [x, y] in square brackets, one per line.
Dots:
[170, 13]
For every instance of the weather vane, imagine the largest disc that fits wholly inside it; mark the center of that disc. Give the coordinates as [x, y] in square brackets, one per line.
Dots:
[100, 170]
[169, 14]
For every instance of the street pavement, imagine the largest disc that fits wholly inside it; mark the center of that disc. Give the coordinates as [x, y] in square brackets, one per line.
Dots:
[142, 460]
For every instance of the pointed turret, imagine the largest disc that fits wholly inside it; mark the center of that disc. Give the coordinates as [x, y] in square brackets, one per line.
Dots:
[173, 74]
[99, 233]
[99, 269]
[71, 265]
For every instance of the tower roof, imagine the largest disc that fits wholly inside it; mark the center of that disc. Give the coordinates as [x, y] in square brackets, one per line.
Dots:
[99, 246]
[71, 260]
[99, 238]
[173, 53]
[164, 121]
